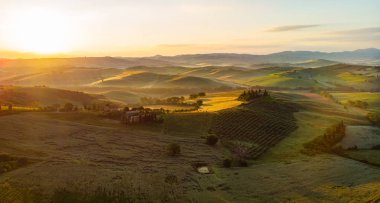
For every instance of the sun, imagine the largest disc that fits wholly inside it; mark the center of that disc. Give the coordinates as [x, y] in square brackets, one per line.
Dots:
[38, 31]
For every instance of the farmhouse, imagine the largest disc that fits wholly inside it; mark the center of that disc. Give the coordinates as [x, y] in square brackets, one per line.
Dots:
[136, 116]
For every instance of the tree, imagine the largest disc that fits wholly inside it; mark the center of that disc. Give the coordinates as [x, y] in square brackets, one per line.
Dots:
[252, 94]
[193, 96]
[68, 107]
[201, 94]
[199, 102]
[265, 93]
[227, 163]
[211, 140]
[126, 109]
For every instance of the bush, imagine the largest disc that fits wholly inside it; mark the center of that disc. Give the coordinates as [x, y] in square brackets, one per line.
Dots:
[202, 94]
[174, 149]
[68, 107]
[227, 163]
[171, 179]
[193, 96]
[358, 104]
[211, 140]
[243, 163]
[376, 147]
[327, 141]
[199, 102]
[353, 148]
[374, 118]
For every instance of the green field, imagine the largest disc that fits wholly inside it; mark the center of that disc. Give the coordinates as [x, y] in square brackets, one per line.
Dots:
[373, 99]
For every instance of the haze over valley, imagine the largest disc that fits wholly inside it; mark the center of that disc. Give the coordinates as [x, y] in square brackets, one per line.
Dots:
[201, 101]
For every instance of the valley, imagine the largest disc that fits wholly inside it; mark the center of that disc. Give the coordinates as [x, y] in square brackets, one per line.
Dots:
[62, 135]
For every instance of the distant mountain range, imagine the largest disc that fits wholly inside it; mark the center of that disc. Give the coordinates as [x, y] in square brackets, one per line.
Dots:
[361, 56]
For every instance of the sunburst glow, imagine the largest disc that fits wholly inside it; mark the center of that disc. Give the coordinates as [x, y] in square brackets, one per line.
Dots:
[38, 31]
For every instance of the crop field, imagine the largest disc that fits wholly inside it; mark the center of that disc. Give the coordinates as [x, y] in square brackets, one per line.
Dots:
[85, 151]
[19, 108]
[219, 101]
[262, 123]
[191, 123]
[170, 107]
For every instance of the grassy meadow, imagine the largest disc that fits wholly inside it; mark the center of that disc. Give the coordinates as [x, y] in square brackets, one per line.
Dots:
[79, 143]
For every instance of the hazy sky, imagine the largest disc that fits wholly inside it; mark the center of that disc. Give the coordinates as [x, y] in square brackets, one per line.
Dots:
[169, 27]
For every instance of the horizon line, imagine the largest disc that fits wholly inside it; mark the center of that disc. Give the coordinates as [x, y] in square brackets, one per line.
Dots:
[62, 56]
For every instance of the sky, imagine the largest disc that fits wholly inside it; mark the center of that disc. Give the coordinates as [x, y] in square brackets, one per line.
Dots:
[41, 28]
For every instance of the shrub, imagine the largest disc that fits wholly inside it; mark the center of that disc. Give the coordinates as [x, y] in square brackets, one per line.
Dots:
[353, 148]
[211, 140]
[202, 94]
[327, 141]
[171, 179]
[193, 96]
[174, 149]
[374, 118]
[199, 102]
[376, 147]
[227, 163]
[358, 104]
[243, 163]
[68, 107]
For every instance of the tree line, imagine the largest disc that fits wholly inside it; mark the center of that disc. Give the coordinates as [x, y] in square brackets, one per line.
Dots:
[252, 94]
[327, 141]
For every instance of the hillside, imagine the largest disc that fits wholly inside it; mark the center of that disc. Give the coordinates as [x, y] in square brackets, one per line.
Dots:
[251, 126]
[353, 76]
[88, 62]
[62, 76]
[42, 96]
[138, 79]
[278, 127]
[334, 76]
[315, 63]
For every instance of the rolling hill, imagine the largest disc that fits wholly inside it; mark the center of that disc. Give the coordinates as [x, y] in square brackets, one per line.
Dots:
[42, 96]
[57, 77]
[118, 78]
[88, 62]
[141, 79]
[315, 63]
[334, 76]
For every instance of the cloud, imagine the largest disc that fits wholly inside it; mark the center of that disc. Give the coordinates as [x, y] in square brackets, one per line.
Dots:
[360, 31]
[290, 28]
[369, 34]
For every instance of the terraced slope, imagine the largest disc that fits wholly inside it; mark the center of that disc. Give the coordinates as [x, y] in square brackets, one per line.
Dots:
[261, 123]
